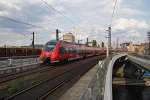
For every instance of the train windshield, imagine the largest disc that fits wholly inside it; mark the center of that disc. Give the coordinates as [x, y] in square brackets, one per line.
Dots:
[50, 46]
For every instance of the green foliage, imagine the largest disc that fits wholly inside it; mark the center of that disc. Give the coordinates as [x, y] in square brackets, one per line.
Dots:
[103, 45]
[94, 43]
[15, 86]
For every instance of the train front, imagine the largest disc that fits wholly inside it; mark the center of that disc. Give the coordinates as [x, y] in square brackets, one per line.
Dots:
[49, 53]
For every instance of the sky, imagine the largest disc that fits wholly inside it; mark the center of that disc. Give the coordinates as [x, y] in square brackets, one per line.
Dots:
[84, 18]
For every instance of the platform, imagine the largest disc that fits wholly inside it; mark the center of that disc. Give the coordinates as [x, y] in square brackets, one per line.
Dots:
[78, 89]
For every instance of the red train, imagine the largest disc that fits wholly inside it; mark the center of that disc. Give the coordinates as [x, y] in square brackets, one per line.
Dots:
[61, 51]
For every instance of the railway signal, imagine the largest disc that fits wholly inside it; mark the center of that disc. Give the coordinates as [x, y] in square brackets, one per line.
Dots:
[148, 35]
[87, 41]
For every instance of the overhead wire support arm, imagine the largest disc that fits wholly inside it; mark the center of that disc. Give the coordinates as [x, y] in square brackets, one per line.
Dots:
[109, 31]
[112, 16]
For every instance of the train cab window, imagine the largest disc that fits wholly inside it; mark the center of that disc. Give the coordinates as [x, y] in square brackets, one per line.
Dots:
[49, 46]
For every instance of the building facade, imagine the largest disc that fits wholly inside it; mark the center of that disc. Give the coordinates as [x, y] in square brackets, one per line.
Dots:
[134, 48]
[69, 37]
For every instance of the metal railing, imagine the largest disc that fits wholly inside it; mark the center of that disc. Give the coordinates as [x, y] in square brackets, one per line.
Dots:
[18, 57]
[141, 56]
[18, 61]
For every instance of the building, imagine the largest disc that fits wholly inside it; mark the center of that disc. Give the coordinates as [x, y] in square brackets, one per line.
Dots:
[131, 47]
[125, 45]
[134, 48]
[69, 37]
[147, 51]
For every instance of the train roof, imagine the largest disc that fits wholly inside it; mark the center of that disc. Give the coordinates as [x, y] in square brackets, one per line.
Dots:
[52, 41]
[65, 42]
[61, 41]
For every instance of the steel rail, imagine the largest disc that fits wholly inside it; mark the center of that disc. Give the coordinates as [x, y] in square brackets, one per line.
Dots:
[36, 85]
[47, 86]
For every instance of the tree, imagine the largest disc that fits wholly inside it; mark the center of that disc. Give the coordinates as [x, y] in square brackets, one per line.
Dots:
[94, 43]
[98, 45]
[103, 45]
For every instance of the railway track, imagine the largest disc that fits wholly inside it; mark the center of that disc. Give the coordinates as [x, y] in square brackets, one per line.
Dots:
[13, 76]
[43, 89]
[39, 69]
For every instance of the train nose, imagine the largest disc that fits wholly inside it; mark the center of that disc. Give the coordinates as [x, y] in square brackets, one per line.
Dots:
[45, 55]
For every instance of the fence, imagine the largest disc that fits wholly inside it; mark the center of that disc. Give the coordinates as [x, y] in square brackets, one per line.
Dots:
[7, 52]
[18, 61]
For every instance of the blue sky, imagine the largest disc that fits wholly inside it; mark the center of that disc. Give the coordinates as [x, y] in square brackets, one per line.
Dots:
[89, 18]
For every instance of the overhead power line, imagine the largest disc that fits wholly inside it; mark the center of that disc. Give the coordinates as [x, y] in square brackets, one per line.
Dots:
[112, 16]
[51, 7]
[17, 21]
[22, 22]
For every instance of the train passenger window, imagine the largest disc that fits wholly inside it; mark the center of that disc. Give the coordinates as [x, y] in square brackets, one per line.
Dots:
[78, 51]
[66, 50]
[71, 50]
[62, 50]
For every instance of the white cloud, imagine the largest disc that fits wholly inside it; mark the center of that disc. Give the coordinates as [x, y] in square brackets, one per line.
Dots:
[126, 11]
[8, 5]
[10, 38]
[91, 17]
[130, 29]
[136, 34]
[4, 13]
[126, 24]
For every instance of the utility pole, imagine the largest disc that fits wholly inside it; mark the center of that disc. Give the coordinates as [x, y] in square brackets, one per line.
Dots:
[148, 35]
[87, 41]
[102, 45]
[57, 34]
[117, 42]
[33, 40]
[109, 42]
[79, 41]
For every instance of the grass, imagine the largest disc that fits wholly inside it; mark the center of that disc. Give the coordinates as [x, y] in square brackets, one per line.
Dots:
[15, 86]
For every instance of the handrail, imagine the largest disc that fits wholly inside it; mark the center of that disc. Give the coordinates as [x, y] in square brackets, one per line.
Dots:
[18, 57]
